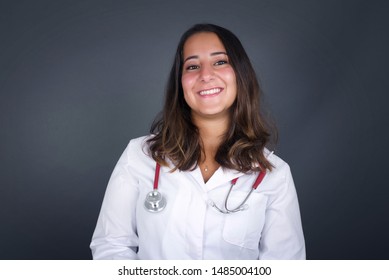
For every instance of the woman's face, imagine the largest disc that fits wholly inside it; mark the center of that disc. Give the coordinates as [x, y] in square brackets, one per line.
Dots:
[208, 79]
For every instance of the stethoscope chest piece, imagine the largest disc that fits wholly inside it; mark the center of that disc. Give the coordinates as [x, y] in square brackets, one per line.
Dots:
[154, 201]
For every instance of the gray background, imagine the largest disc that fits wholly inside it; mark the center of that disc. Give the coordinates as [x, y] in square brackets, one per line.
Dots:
[78, 79]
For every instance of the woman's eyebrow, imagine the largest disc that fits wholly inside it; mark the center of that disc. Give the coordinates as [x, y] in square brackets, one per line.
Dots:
[217, 53]
[196, 56]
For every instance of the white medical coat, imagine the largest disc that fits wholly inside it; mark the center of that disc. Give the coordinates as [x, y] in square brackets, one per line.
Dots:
[189, 228]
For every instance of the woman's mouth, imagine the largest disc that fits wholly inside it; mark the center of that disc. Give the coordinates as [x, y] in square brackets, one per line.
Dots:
[210, 91]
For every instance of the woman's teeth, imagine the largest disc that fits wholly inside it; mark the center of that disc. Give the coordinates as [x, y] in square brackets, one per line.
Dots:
[210, 91]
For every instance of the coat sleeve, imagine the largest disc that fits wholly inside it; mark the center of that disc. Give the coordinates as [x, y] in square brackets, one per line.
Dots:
[115, 236]
[282, 236]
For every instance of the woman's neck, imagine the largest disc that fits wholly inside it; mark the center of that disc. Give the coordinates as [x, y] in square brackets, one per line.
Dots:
[211, 133]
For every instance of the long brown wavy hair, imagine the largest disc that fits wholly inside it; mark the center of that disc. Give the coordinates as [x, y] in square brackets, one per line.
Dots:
[174, 135]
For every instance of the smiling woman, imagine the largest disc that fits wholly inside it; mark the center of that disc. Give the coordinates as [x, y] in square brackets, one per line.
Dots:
[223, 194]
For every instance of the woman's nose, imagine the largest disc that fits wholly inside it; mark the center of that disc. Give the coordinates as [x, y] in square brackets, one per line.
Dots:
[206, 73]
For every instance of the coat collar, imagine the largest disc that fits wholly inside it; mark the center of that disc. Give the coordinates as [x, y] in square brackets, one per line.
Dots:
[219, 178]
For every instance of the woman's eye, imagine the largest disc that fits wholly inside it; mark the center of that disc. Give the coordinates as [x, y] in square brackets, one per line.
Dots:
[221, 62]
[192, 67]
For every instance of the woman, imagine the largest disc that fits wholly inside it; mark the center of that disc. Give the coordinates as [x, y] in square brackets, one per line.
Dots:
[209, 133]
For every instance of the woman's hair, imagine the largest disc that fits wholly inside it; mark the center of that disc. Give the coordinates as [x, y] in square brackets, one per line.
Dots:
[176, 137]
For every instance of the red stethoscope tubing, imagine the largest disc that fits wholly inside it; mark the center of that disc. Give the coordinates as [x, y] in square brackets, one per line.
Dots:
[156, 176]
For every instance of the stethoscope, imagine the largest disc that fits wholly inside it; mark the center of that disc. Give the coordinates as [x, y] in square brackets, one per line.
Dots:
[155, 202]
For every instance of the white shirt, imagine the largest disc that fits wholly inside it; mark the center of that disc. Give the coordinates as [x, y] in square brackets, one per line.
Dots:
[189, 227]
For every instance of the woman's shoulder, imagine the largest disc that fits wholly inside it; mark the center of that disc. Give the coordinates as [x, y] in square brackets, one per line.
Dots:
[139, 145]
[280, 177]
[279, 165]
